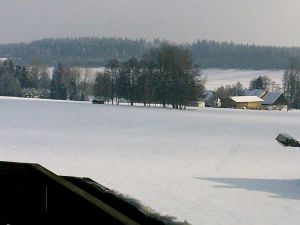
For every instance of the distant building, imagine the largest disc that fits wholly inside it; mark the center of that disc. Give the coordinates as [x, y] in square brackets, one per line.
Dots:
[256, 92]
[3, 59]
[201, 104]
[218, 103]
[274, 101]
[246, 102]
[210, 98]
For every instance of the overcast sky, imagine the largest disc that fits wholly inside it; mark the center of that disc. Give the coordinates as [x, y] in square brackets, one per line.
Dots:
[266, 22]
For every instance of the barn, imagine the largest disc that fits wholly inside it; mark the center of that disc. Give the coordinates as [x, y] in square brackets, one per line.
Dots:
[274, 101]
[246, 102]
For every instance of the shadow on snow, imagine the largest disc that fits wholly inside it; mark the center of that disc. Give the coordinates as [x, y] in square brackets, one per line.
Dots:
[288, 189]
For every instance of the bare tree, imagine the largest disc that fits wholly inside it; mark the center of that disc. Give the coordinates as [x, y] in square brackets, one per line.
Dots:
[291, 84]
[85, 85]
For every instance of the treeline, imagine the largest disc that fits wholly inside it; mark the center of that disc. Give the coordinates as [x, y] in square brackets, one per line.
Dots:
[16, 80]
[95, 52]
[211, 54]
[81, 52]
[36, 81]
[165, 75]
[291, 83]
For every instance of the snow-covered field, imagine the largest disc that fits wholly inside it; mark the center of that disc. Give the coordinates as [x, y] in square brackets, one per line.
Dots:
[209, 166]
[217, 77]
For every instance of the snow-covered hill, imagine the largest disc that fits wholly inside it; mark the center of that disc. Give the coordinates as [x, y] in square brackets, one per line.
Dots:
[207, 166]
[217, 77]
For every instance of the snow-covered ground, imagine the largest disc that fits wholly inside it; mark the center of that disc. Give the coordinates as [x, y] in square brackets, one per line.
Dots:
[209, 166]
[217, 77]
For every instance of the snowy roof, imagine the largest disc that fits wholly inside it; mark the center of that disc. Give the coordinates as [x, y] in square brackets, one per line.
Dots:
[246, 99]
[255, 92]
[271, 97]
[3, 59]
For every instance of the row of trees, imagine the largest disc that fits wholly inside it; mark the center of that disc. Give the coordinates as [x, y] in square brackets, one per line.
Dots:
[15, 80]
[165, 75]
[78, 52]
[213, 54]
[35, 81]
[291, 83]
[95, 52]
[70, 83]
[260, 82]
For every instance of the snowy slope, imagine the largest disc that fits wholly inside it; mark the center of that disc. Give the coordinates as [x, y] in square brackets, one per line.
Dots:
[207, 166]
[217, 77]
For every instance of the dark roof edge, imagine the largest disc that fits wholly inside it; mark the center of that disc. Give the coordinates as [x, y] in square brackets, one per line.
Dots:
[84, 195]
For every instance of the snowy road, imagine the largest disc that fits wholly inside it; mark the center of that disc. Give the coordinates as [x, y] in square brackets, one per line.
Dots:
[207, 166]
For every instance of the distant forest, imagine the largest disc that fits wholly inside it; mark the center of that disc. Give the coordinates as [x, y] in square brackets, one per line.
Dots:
[96, 52]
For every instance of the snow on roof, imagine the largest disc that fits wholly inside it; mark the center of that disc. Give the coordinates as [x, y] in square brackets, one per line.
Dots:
[271, 97]
[2, 59]
[246, 99]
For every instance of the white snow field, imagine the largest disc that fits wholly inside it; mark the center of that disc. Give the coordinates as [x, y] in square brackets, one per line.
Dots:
[218, 77]
[208, 166]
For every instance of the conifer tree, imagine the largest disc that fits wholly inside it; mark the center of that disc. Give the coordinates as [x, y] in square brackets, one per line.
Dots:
[58, 89]
[73, 93]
